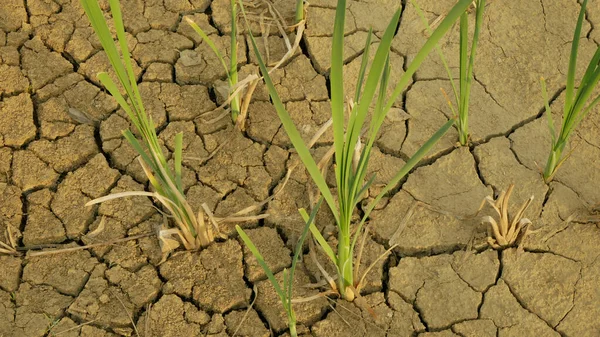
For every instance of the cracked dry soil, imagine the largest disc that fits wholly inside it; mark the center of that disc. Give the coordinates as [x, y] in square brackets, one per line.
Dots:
[431, 286]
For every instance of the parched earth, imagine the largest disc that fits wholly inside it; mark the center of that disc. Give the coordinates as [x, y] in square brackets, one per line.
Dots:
[442, 280]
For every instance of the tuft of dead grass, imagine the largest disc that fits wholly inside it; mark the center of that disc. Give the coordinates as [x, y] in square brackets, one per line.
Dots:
[508, 230]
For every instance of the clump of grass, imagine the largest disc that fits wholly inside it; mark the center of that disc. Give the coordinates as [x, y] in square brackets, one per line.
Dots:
[191, 229]
[284, 292]
[507, 231]
[575, 109]
[467, 60]
[238, 114]
[351, 156]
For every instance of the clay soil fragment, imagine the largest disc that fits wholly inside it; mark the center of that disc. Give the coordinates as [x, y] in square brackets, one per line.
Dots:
[269, 305]
[213, 278]
[443, 287]
[371, 317]
[16, 121]
[172, 317]
[67, 273]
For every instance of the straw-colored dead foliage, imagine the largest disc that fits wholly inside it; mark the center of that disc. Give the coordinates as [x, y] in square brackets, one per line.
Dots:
[507, 230]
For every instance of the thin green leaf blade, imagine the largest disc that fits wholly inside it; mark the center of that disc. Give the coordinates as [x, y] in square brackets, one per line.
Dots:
[363, 66]
[293, 133]
[262, 263]
[440, 54]
[573, 58]
[209, 42]
[96, 17]
[131, 82]
[410, 164]
[308, 220]
[548, 110]
[337, 90]
[433, 40]
[177, 156]
[373, 80]
[323, 243]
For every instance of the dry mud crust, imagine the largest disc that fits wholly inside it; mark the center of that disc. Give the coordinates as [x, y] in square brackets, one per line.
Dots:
[51, 165]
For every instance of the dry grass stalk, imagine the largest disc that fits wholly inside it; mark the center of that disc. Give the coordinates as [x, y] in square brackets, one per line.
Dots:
[10, 247]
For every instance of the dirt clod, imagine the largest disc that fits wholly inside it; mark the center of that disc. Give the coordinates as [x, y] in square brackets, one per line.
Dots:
[67, 272]
[10, 273]
[16, 121]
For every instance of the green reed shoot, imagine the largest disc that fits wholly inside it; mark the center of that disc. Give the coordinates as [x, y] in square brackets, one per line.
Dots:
[575, 101]
[299, 10]
[231, 70]
[351, 165]
[191, 229]
[284, 292]
[462, 95]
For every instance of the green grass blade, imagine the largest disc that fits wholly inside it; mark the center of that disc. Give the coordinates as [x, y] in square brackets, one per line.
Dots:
[464, 80]
[308, 220]
[286, 282]
[210, 43]
[439, 52]
[158, 186]
[433, 40]
[464, 39]
[375, 125]
[379, 114]
[136, 98]
[548, 110]
[410, 164]
[232, 74]
[363, 66]
[262, 263]
[177, 160]
[573, 58]
[589, 72]
[475, 42]
[138, 147]
[292, 132]
[323, 243]
[364, 188]
[96, 17]
[108, 83]
[373, 80]
[587, 110]
[336, 76]
[580, 101]
[299, 10]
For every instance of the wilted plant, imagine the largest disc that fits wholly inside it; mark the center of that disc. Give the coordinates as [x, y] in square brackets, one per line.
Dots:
[507, 231]
[466, 62]
[285, 292]
[351, 157]
[575, 102]
[191, 230]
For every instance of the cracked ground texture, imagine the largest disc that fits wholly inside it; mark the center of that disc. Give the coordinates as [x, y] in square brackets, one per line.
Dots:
[441, 280]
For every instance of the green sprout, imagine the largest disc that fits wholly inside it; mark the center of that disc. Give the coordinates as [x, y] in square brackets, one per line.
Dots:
[191, 229]
[285, 292]
[235, 103]
[467, 60]
[575, 102]
[351, 165]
